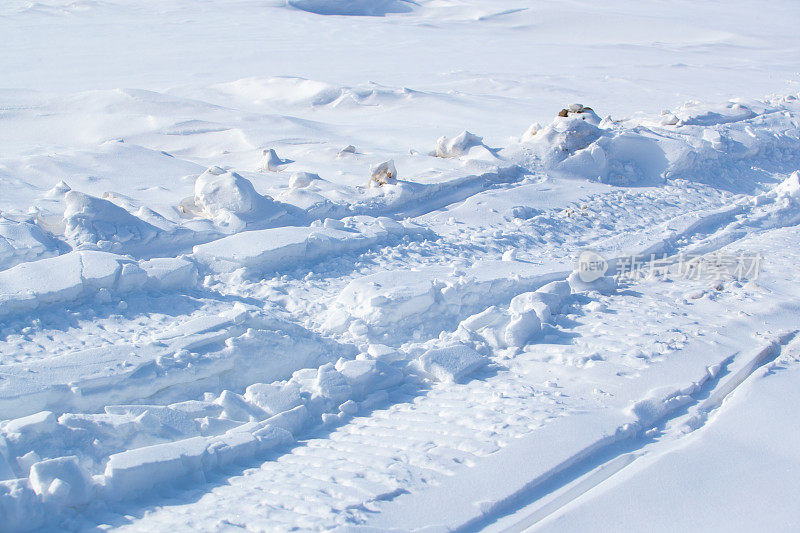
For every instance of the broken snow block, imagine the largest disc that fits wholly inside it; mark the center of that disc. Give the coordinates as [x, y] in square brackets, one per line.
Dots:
[790, 187]
[532, 130]
[451, 364]
[383, 174]
[349, 149]
[458, 145]
[170, 272]
[274, 398]
[144, 468]
[522, 329]
[40, 423]
[61, 480]
[272, 162]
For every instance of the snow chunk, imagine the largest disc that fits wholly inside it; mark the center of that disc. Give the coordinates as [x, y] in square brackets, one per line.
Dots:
[170, 273]
[271, 162]
[385, 298]
[349, 149]
[332, 385]
[790, 187]
[367, 375]
[383, 174]
[522, 328]
[236, 407]
[451, 364]
[61, 480]
[40, 423]
[603, 285]
[562, 138]
[274, 398]
[59, 190]
[218, 190]
[458, 145]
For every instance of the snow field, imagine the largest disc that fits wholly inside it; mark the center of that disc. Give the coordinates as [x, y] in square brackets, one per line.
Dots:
[236, 298]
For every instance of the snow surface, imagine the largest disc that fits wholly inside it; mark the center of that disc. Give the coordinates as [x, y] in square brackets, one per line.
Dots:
[311, 265]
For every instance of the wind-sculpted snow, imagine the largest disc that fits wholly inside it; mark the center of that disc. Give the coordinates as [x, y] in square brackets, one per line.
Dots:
[22, 242]
[95, 221]
[301, 272]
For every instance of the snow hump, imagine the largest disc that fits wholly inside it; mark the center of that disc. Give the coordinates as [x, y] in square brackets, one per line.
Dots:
[353, 8]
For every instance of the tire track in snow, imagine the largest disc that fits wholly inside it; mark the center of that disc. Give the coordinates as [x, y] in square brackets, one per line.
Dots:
[666, 433]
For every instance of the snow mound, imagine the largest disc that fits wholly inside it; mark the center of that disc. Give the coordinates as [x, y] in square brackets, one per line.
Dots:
[451, 364]
[603, 285]
[577, 144]
[97, 223]
[301, 180]
[21, 242]
[458, 145]
[562, 138]
[357, 8]
[231, 201]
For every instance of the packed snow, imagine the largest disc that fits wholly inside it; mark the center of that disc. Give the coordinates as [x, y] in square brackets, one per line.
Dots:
[383, 265]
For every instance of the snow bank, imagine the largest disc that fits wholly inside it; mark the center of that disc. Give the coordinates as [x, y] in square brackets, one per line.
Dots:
[127, 441]
[383, 300]
[81, 274]
[290, 246]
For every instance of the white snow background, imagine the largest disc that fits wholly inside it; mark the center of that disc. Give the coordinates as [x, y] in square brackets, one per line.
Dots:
[310, 265]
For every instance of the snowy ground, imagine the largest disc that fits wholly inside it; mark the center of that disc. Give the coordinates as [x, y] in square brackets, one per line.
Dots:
[312, 265]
